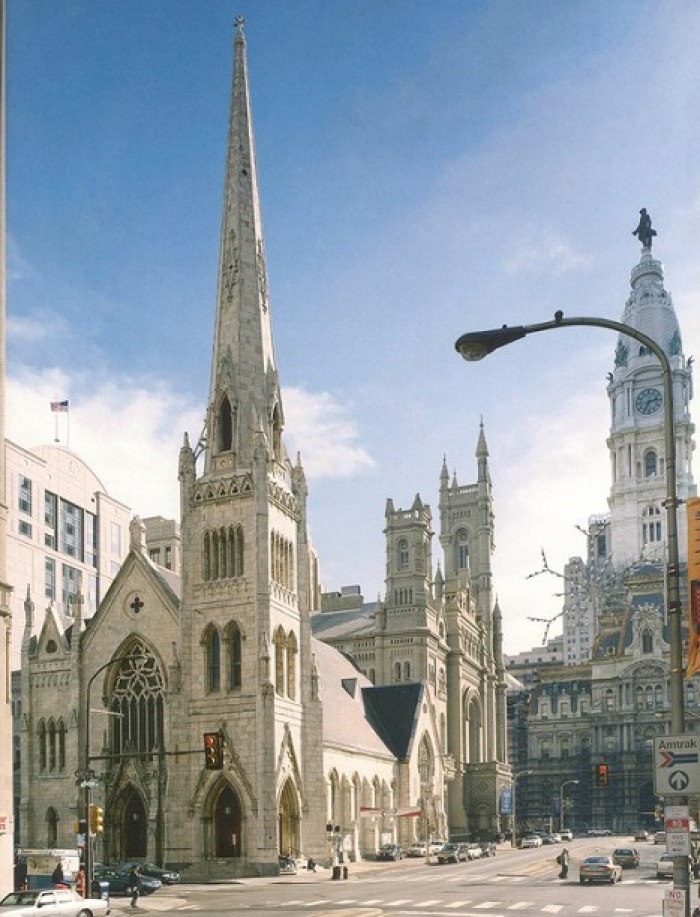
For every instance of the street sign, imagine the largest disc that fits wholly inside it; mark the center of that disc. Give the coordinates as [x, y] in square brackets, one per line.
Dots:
[674, 902]
[677, 825]
[676, 765]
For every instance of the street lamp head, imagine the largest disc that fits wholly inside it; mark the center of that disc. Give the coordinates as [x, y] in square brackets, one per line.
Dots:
[478, 344]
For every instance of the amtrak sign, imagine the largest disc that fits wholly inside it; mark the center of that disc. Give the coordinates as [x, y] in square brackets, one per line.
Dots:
[676, 765]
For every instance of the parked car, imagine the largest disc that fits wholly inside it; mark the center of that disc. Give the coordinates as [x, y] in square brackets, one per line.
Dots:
[166, 875]
[419, 849]
[627, 857]
[664, 866]
[473, 851]
[61, 901]
[530, 840]
[566, 834]
[120, 883]
[488, 849]
[452, 853]
[436, 846]
[599, 832]
[660, 837]
[599, 869]
[548, 838]
[641, 835]
[390, 852]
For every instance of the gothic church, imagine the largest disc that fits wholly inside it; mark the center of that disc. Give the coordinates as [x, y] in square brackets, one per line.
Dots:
[407, 740]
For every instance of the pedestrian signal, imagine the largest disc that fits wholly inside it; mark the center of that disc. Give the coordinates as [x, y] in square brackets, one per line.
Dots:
[601, 775]
[213, 751]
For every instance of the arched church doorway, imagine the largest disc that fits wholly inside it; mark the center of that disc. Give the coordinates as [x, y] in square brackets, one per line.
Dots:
[227, 824]
[289, 820]
[134, 827]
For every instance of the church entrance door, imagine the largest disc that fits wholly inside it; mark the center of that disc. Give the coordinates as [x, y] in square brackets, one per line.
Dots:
[289, 820]
[134, 827]
[227, 824]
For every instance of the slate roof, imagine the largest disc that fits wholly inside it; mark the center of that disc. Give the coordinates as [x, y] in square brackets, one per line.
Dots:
[393, 711]
[330, 625]
[341, 688]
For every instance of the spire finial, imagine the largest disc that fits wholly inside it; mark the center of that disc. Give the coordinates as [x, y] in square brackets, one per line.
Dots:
[239, 22]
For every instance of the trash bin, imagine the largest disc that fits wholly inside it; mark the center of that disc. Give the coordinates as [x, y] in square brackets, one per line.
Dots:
[345, 872]
[336, 872]
[100, 889]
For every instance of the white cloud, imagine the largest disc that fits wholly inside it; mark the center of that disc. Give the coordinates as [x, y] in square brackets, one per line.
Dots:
[319, 427]
[545, 253]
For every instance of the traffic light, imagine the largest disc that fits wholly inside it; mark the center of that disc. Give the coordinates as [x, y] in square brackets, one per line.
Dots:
[213, 751]
[97, 818]
[601, 774]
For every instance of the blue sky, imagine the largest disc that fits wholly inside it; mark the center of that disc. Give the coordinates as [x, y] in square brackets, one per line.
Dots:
[423, 172]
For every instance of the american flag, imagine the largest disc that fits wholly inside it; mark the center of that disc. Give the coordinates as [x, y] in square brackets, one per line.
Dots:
[59, 407]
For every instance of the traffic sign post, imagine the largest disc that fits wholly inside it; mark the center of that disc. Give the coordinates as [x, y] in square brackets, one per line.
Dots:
[677, 765]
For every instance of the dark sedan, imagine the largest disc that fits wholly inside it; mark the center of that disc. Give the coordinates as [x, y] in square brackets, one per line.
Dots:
[166, 875]
[120, 881]
[390, 852]
[627, 857]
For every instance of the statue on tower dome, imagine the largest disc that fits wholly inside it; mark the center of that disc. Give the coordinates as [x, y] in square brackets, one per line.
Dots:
[644, 231]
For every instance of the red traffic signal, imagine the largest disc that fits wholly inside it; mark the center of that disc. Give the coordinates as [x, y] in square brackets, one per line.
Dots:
[213, 751]
[601, 774]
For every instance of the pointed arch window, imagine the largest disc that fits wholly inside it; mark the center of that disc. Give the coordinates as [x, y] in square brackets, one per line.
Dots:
[136, 701]
[291, 665]
[61, 745]
[41, 740]
[462, 550]
[277, 433]
[225, 425]
[212, 648]
[279, 643]
[51, 827]
[233, 637]
[402, 555]
[52, 745]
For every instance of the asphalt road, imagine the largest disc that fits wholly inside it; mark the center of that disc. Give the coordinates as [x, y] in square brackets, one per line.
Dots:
[515, 882]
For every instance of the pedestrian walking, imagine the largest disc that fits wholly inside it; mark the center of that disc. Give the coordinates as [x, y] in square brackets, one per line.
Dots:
[135, 885]
[563, 860]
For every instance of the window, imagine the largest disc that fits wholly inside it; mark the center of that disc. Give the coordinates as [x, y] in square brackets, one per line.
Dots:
[291, 666]
[25, 529]
[71, 529]
[154, 554]
[90, 539]
[462, 550]
[168, 558]
[279, 642]
[50, 578]
[225, 425]
[70, 584]
[234, 638]
[397, 671]
[213, 659]
[402, 555]
[25, 495]
[651, 524]
[647, 641]
[41, 740]
[136, 702]
[407, 671]
[650, 463]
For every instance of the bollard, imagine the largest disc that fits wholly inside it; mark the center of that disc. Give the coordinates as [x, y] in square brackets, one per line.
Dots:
[336, 872]
[345, 872]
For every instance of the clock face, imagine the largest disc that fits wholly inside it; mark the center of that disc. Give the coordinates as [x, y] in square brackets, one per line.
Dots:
[648, 401]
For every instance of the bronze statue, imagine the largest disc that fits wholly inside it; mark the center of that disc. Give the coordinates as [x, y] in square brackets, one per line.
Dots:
[644, 231]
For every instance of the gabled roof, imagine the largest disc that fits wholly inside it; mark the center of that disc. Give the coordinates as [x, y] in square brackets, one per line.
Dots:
[393, 711]
[346, 723]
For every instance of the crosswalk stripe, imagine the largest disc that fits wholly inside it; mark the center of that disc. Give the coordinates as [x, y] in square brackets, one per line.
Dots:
[519, 905]
[552, 908]
[427, 903]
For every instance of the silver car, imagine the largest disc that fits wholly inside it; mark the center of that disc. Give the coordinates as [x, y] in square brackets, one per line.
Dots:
[53, 902]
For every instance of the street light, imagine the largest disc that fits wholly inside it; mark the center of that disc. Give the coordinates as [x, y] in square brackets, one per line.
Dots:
[514, 832]
[561, 801]
[477, 345]
[89, 775]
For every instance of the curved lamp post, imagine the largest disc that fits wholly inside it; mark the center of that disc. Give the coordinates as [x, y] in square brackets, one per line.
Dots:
[561, 801]
[514, 832]
[477, 345]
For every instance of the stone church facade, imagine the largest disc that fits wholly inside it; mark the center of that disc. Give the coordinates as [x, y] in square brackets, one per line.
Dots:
[315, 755]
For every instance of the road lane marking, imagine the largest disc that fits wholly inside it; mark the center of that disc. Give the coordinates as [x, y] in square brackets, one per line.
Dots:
[519, 905]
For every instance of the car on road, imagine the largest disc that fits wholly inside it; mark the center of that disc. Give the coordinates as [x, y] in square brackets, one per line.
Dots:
[530, 840]
[627, 857]
[664, 866]
[452, 853]
[660, 837]
[166, 875]
[566, 834]
[390, 852]
[120, 881]
[599, 832]
[418, 849]
[641, 835]
[599, 869]
[473, 851]
[436, 846]
[488, 849]
[61, 901]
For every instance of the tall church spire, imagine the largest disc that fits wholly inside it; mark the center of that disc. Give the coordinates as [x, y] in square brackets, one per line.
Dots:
[244, 400]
